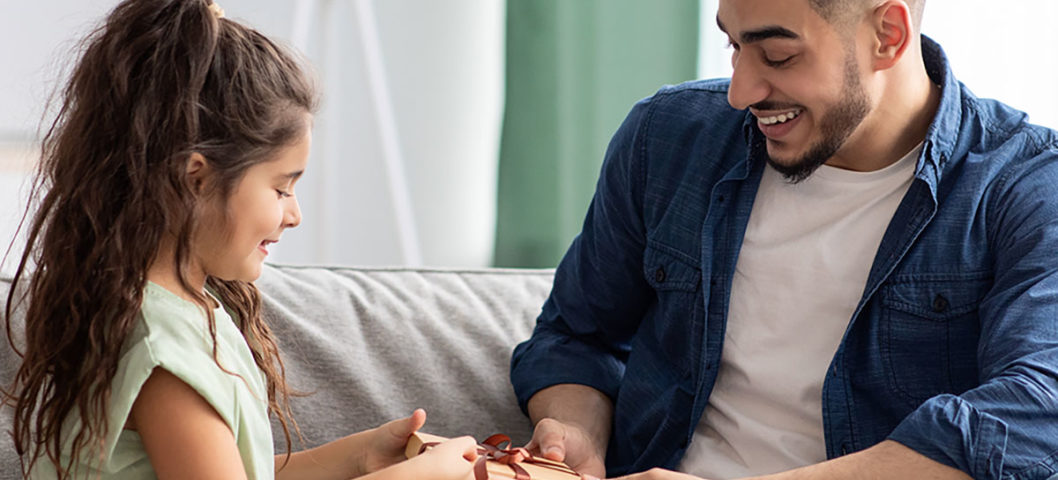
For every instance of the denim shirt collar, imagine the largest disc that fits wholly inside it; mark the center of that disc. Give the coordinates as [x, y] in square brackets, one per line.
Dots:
[943, 130]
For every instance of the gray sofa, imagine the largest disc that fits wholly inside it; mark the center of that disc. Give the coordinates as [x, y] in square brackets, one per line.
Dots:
[368, 345]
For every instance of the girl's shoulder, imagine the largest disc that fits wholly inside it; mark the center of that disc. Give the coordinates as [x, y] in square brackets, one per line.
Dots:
[167, 318]
[175, 334]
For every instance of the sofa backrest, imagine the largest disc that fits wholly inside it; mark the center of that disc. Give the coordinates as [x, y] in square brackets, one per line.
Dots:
[368, 345]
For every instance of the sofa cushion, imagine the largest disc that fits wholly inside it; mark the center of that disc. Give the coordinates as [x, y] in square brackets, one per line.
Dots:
[371, 344]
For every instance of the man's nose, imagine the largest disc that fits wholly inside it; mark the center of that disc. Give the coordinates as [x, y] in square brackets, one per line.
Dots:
[748, 86]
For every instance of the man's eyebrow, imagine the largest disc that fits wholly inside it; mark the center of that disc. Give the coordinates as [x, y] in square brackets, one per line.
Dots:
[762, 33]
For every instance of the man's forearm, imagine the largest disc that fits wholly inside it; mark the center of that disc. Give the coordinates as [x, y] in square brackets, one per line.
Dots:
[888, 460]
[578, 405]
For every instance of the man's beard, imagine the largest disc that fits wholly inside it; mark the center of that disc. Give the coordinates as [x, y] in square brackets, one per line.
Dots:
[835, 126]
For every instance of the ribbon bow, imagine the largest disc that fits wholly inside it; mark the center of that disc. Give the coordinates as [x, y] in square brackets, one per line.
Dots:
[497, 448]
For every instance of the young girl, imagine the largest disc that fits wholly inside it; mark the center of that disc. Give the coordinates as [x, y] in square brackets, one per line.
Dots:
[168, 173]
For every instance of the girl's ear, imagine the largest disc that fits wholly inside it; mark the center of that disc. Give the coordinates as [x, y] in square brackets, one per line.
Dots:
[198, 170]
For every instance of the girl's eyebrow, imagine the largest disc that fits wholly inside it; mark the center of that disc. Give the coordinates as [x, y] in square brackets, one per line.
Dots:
[290, 176]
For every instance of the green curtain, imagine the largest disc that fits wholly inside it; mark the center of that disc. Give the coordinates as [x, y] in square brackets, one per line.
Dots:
[574, 69]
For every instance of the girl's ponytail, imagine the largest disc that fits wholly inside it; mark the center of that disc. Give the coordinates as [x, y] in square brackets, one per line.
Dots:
[160, 79]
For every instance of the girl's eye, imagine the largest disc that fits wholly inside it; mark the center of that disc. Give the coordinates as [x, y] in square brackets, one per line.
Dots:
[282, 194]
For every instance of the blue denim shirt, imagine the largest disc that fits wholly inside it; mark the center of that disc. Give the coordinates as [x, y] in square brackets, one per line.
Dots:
[952, 350]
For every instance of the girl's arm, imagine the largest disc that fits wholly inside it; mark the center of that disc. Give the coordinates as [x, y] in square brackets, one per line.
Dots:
[183, 435]
[352, 456]
[379, 454]
[451, 460]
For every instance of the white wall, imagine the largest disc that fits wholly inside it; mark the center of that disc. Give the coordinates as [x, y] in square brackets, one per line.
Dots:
[443, 66]
[1000, 50]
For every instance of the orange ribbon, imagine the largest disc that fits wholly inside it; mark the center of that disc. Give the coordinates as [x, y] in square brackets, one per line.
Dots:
[493, 449]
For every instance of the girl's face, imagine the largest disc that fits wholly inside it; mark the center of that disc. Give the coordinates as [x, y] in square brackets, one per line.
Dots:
[235, 234]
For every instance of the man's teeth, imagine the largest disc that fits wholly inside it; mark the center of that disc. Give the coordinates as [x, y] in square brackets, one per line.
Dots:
[782, 118]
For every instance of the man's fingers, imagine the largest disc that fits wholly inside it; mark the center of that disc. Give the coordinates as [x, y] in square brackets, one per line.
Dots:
[550, 439]
[652, 474]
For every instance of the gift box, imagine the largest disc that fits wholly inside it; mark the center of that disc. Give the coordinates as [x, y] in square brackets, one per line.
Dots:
[498, 461]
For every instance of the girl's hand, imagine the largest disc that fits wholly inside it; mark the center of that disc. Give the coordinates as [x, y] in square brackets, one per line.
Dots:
[450, 460]
[385, 444]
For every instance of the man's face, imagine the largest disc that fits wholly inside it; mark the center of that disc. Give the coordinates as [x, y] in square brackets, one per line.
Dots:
[798, 75]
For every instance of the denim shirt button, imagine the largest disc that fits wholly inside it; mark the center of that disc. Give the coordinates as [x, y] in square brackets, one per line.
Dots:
[940, 304]
[844, 449]
[659, 274]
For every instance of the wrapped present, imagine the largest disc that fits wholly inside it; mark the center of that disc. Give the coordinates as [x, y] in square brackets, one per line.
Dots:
[497, 460]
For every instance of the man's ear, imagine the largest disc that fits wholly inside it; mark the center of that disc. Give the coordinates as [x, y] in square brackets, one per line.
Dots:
[198, 171]
[893, 31]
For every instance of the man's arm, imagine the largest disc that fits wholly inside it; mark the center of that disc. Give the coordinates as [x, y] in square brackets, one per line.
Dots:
[888, 460]
[566, 373]
[572, 424]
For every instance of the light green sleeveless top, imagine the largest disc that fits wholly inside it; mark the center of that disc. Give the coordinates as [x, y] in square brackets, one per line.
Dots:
[173, 334]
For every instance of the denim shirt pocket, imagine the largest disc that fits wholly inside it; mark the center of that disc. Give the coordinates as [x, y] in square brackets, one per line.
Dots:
[674, 321]
[930, 332]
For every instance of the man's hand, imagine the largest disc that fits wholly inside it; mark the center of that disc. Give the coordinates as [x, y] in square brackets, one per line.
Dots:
[572, 426]
[652, 474]
[888, 460]
[568, 443]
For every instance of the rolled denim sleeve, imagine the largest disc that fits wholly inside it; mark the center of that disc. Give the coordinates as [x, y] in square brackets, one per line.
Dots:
[599, 295]
[1007, 427]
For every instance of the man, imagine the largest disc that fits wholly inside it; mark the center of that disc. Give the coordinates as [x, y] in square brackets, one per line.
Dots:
[841, 264]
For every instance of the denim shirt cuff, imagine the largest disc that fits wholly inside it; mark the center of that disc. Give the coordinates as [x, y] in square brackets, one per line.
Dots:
[543, 362]
[950, 430]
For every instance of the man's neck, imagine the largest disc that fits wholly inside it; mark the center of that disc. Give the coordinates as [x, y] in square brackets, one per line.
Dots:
[901, 117]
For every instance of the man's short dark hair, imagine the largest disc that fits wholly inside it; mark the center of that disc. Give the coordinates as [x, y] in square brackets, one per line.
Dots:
[841, 12]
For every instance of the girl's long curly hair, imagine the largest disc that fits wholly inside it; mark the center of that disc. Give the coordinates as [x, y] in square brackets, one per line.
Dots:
[157, 81]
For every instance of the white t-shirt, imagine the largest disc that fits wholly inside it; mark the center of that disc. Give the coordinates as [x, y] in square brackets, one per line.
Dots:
[800, 273]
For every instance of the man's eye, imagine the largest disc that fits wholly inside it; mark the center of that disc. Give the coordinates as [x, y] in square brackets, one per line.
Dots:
[777, 63]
